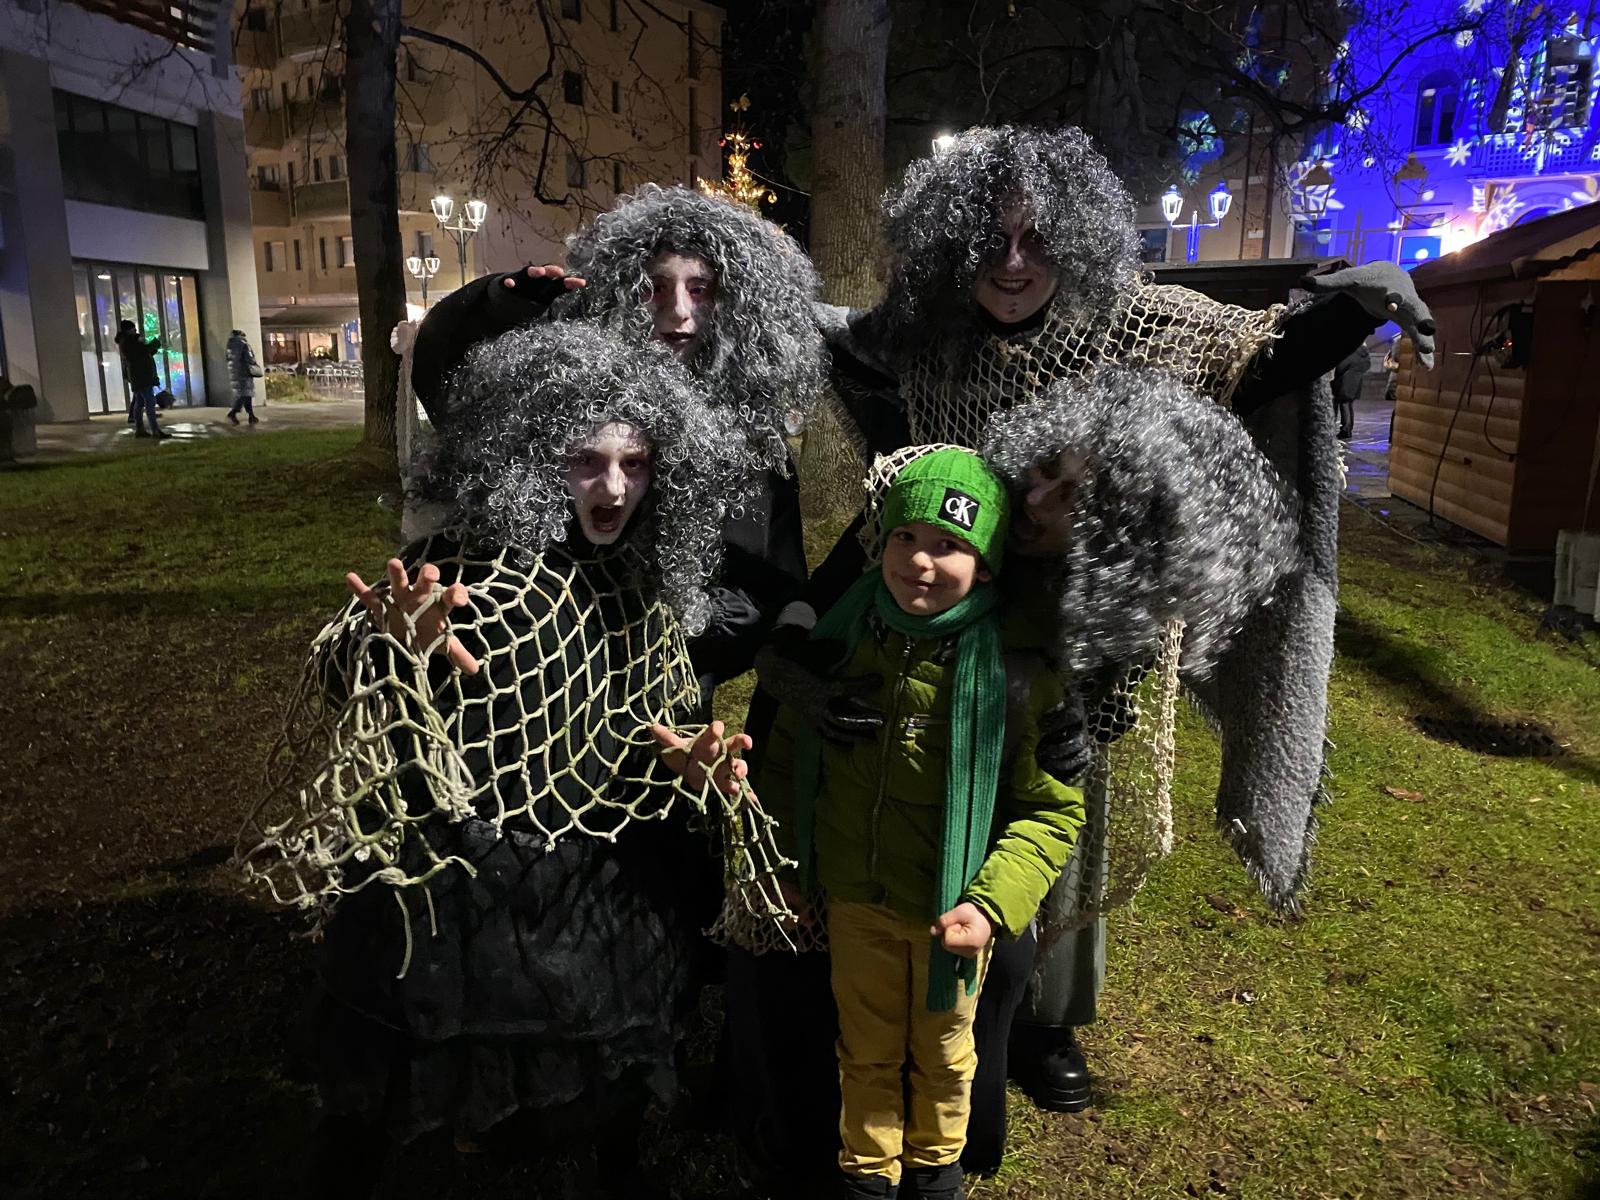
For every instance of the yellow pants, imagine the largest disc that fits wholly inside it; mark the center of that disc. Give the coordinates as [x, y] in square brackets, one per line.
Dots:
[880, 980]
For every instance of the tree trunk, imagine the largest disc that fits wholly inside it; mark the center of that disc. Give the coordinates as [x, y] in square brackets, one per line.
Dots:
[847, 124]
[372, 42]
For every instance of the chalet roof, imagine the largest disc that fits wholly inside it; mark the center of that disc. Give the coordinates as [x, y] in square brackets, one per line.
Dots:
[1521, 252]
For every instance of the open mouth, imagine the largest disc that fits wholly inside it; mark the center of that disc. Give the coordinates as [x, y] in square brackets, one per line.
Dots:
[678, 340]
[1010, 287]
[607, 518]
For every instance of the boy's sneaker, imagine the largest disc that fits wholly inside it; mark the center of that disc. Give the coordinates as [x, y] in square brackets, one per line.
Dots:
[932, 1183]
[255, 420]
[234, 417]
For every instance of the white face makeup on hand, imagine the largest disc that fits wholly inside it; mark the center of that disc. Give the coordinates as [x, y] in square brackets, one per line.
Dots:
[1020, 281]
[608, 474]
[681, 295]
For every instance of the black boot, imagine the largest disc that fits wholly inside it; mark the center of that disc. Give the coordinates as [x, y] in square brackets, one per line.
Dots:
[932, 1183]
[1049, 1066]
[864, 1187]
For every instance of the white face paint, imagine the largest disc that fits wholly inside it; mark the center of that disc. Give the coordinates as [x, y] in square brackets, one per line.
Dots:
[608, 474]
[1020, 281]
[681, 295]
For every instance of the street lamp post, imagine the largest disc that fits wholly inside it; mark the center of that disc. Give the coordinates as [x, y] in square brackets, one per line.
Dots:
[423, 269]
[1219, 202]
[467, 222]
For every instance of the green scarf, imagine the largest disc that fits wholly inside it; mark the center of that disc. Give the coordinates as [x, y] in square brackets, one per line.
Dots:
[977, 734]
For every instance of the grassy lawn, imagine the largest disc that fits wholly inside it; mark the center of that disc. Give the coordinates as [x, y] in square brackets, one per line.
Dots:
[1427, 1029]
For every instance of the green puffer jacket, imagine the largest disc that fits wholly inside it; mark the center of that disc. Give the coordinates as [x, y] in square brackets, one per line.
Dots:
[880, 804]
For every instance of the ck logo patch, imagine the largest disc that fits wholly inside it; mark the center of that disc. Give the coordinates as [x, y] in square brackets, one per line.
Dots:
[959, 508]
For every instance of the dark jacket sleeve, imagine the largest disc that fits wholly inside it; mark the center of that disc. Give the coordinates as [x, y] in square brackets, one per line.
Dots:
[763, 568]
[481, 310]
[1313, 341]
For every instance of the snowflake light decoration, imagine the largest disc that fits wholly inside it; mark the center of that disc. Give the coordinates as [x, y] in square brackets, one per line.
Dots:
[1464, 39]
[1473, 7]
[1458, 154]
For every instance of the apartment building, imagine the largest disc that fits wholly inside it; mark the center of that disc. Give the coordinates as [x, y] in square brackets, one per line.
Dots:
[122, 197]
[630, 93]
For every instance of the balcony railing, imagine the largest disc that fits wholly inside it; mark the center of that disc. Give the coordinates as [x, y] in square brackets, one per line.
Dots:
[268, 208]
[308, 31]
[327, 199]
[265, 129]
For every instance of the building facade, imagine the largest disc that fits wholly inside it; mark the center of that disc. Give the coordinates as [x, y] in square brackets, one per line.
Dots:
[1474, 115]
[1489, 126]
[122, 197]
[629, 94]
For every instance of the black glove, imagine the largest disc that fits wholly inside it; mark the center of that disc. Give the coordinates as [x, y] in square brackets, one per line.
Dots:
[795, 670]
[543, 291]
[1064, 744]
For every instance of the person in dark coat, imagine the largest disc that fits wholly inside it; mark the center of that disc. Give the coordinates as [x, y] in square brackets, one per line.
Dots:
[509, 928]
[1347, 378]
[730, 294]
[243, 371]
[139, 368]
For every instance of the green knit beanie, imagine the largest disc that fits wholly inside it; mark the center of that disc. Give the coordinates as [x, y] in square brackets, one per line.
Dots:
[954, 490]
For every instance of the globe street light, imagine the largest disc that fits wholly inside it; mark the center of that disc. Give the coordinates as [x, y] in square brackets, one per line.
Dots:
[424, 269]
[467, 222]
[1219, 202]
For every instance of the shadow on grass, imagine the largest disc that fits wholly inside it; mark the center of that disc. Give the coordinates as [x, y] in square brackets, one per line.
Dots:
[153, 1048]
[252, 598]
[1413, 674]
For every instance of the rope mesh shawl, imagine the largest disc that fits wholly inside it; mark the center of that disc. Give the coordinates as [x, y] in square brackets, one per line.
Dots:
[581, 648]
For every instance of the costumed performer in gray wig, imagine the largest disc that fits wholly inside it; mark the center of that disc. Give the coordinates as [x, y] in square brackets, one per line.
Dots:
[1015, 264]
[472, 801]
[729, 293]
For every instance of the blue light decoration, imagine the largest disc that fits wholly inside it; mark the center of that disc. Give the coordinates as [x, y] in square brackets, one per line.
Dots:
[1478, 130]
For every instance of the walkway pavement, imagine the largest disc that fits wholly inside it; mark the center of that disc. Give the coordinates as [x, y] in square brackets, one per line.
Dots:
[111, 431]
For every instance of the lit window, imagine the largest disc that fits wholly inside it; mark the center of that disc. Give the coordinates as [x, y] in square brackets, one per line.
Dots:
[1438, 99]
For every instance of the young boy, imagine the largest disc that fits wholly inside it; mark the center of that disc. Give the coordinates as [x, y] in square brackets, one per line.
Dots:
[944, 817]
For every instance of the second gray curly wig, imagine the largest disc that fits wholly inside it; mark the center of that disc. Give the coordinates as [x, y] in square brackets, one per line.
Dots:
[762, 357]
[943, 223]
[527, 399]
[1175, 514]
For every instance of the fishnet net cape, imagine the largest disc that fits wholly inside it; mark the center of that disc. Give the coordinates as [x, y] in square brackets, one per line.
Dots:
[551, 736]
[948, 397]
[1203, 343]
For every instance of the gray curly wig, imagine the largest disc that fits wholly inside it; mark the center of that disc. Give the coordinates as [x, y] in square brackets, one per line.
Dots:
[526, 400]
[762, 357]
[1175, 514]
[943, 223]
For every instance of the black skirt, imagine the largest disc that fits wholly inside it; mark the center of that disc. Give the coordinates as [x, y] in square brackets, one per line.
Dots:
[555, 980]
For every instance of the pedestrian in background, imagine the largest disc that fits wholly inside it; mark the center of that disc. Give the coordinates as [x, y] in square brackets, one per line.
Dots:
[139, 369]
[1347, 377]
[243, 371]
